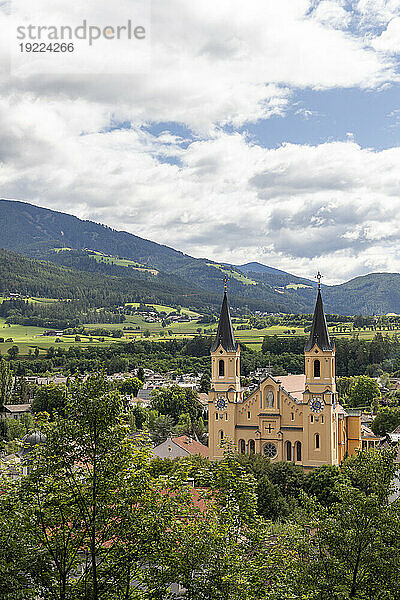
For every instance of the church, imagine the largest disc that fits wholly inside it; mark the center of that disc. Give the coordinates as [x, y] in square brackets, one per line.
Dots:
[294, 418]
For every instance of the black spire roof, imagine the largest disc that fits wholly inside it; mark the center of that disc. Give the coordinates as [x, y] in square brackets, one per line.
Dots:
[319, 334]
[225, 336]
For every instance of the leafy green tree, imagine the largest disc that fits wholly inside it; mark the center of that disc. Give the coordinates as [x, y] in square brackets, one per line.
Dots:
[174, 401]
[375, 406]
[200, 430]
[184, 425]
[288, 477]
[270, 502]
[354, 551]
[140, 374]
[372, 471]
[343, 386]
[322, 483]
[13, 352]
[91, 509]
[364, 390]
[131, 386]
[163, 427]
[21, 392]
[5, 382]
[137, 417]
[386, 420]
[50, 398]
[15, 429]
[205, 383]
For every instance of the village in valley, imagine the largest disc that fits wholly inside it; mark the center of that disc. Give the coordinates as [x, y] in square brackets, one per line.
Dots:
[200, 300]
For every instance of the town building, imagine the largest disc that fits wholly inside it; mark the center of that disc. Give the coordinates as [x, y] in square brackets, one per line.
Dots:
[179, 447]
[292, 418]
[14, 411]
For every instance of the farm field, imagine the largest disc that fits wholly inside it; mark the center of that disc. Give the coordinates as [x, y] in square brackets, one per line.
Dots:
[28, 338]
[135, 327]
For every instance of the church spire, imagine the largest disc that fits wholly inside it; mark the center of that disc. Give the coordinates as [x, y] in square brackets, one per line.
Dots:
[319, 334]
[225, 336]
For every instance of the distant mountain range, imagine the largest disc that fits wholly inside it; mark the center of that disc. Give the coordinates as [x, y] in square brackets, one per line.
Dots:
[85, 246]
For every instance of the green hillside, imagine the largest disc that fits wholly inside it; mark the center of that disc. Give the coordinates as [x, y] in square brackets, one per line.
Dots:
[37, 232]
[116, 266]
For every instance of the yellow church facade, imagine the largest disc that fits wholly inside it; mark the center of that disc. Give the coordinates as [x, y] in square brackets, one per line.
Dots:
[293, 418]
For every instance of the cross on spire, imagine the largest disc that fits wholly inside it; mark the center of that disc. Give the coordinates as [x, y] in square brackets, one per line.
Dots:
[225, 280]
[319, 277]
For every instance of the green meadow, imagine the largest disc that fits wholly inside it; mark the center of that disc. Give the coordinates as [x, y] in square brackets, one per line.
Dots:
[135, 327]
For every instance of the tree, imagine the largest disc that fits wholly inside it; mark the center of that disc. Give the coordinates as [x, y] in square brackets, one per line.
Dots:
[50, 398]
[184, 425]
[354, 550]
[372, 471]
[343, 386]
[364, 390]
[270, 502]
[22, 391]
[5, 382]
[130, 386]
[163, 427]
[174, 401]
[137, 417]
[103, 527]
[15, 429]
[322, 483]
[13, 352]
[386, 420]
[205, 383]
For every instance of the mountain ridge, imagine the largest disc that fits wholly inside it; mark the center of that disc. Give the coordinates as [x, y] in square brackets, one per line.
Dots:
[40, 233]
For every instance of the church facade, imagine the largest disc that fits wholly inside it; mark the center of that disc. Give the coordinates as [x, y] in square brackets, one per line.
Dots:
[293, 418]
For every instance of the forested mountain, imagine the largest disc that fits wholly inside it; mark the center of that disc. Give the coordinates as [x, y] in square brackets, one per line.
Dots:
[375, 293]
[33, 277]
[175, 277]
[37, 232]
[275, 277]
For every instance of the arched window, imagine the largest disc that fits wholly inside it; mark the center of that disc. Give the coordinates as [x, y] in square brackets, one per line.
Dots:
[221, 435]
[221, 367]
[317, 368]
[288, 451]
[298, 451]
[242, 446]
[237, 368]
[317, 441]
[252, 447]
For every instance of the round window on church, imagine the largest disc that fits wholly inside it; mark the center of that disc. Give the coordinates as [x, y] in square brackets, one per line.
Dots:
[270, 450]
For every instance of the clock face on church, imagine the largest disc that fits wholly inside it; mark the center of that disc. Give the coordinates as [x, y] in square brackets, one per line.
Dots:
[317, 404]
[221, 403]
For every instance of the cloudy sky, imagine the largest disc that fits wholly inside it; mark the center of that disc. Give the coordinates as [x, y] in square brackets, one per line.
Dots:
[263, 130]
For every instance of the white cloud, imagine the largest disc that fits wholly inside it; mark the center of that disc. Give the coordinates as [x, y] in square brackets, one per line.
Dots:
[213, 194]
[376, 13]
[212, 63]
[294, 207]
[389, 40]
[332, 14]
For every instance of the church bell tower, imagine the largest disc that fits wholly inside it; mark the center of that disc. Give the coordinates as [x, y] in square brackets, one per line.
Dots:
[320, 427]
[225, 382]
